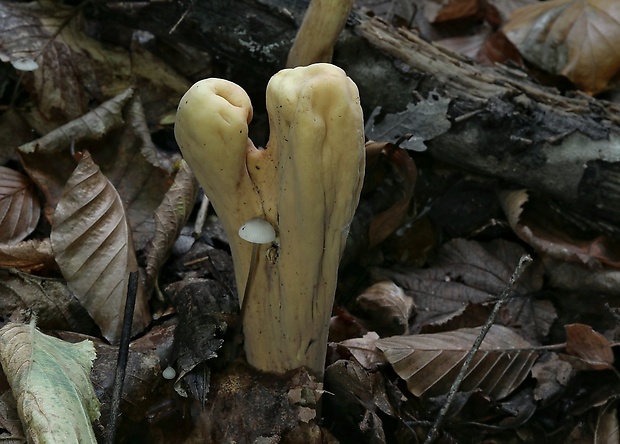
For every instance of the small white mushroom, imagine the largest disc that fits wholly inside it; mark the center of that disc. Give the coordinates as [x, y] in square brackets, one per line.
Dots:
[25, 64]
[169, 373]
[257, 231]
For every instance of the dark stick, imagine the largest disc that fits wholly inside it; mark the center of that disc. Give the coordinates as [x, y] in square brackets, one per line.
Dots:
[432, 433]
[123, 355]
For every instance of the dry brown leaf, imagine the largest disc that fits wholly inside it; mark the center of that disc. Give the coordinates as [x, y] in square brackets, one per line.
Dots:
[505, 8]
[48, 160]
[437, 11]
[465, 272]
[28, 255]
[386, 308]
[353, 388]
[140, 174]
[413, 243]
[55, 307]
[607, 429]
[170, 217]
[343, 325]
[73, 70]
[498, 49]
[49, 34]
[388, 190]
[9, 419]
[125, 154]
[469, 316]
[429, 363]
[581, 278]
[589, 346]
[92, 242]
[19, 206]
[537, 228]
[143, 370]
[364, 350]
[573, 260]
[200, 333]
[579, 39]
[552, 376]
[386, 222]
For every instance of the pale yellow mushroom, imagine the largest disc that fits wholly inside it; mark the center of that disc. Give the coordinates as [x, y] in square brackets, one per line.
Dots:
[211, 129]
[306, 184]
[319, 30]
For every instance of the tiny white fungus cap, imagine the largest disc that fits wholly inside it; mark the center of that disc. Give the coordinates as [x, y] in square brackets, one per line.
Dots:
[25, 64]
[169, 373]
[257, 231]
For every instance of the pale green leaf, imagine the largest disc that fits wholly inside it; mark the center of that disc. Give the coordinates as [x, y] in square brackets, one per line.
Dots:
[50, 380]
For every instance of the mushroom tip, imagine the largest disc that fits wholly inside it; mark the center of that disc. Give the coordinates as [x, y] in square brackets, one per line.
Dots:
[257, 231]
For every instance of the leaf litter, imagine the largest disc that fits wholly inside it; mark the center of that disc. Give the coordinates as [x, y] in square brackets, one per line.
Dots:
[575, 38]
[411, 327]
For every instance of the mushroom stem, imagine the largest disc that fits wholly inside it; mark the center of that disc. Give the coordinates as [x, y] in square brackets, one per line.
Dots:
[246, 291]
[305, 185]
[319, 30]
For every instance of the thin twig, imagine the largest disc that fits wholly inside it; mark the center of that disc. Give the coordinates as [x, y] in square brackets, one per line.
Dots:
[432, 433]
[123, 355]
[176, 25]
[201, 217]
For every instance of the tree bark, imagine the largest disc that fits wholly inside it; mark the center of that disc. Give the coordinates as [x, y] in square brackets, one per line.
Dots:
[506, 126]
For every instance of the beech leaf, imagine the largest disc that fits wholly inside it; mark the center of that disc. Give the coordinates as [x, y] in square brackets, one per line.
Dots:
[19, 206]
[50, 379]
[430, 363]
[92, 242]
[579, 39]
[27, 255]
[552, 375]
[364, 350]
[590, 346]
[170, 217]
[118, 138]
[50, 299]
[469, 272]
[354, 387]
[386, 308]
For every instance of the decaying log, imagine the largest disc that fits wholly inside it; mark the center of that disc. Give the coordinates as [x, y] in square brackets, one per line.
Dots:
[504, 125]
